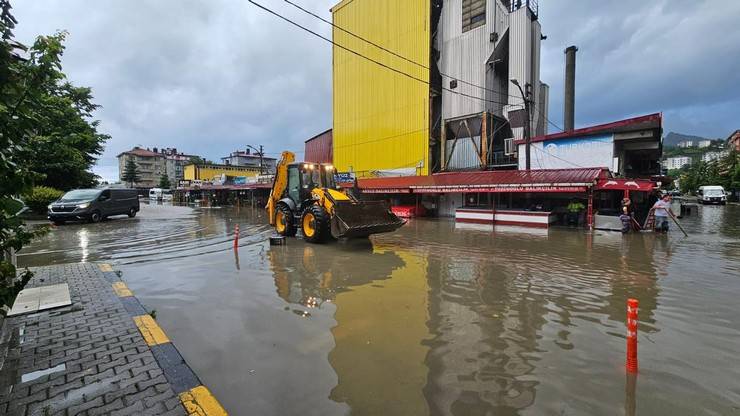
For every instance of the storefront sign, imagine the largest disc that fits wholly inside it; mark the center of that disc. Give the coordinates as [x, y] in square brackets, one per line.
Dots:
[343, 177]
[436, 190]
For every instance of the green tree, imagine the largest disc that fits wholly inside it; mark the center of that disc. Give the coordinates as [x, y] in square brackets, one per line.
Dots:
[64, 133]
[164, 181]
[16, 148]
[130, 173]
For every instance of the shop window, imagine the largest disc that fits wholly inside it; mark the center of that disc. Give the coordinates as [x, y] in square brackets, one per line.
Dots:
[473, 14]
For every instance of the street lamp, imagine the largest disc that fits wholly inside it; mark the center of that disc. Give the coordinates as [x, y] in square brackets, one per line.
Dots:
[259, 151]
[526, 124]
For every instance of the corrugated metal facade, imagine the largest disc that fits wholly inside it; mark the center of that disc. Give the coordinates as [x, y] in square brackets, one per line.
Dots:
[524, 61]
[465, 155]
[464, 57]
[319, 149]
[381, 118]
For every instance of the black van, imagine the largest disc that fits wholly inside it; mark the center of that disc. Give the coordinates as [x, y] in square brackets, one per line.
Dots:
[94, 204]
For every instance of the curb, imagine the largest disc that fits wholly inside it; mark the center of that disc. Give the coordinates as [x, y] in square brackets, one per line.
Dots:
[194, 396]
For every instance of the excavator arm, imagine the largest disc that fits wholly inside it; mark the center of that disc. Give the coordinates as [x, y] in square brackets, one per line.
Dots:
[279, 184]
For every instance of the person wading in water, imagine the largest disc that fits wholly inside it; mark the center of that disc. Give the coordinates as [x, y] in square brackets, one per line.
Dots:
[662, 209]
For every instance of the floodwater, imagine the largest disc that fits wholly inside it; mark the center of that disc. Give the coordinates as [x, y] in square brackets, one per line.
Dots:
[437, 318]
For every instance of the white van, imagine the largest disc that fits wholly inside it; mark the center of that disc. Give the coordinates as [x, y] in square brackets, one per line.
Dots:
[155, 194]
[712, 195]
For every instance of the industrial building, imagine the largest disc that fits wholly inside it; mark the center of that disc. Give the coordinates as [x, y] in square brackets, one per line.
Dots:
[320, 148]
[438, 107]
[428, 89]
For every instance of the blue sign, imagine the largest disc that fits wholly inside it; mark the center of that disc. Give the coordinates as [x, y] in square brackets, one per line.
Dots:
[344, 177]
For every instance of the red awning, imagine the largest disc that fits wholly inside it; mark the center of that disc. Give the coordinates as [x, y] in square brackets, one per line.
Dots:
[549, 180]
[641, 185]
[650, 121]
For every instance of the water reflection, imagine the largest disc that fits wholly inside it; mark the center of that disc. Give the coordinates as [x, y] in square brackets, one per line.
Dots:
[502, 305]
[84, 239]
[435, 318]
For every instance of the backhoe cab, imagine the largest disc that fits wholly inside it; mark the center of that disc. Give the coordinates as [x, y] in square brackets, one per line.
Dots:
[305, 195]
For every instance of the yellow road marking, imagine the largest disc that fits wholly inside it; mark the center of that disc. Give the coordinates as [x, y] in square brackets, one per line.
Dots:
[152, 333]
[199, 401]
[122, 290]
[105, 267]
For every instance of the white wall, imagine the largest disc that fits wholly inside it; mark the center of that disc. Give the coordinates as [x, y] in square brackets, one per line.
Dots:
[570, 153]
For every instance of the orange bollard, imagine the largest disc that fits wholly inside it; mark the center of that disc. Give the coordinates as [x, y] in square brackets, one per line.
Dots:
[632, 306]
[236, 236]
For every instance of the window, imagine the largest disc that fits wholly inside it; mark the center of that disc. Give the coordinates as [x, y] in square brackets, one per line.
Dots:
[509, 146]
[473, 14]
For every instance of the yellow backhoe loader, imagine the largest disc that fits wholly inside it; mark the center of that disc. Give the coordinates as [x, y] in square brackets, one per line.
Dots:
[305, 196]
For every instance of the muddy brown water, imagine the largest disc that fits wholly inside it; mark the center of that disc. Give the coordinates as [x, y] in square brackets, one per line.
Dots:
[437, 318]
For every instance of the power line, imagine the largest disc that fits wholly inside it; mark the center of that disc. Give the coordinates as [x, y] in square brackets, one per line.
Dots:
[368, 58]
[411, 61]
[380, 139]
[536, 109]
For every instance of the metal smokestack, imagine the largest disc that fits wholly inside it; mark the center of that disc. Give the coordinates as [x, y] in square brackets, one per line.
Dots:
[569, 113]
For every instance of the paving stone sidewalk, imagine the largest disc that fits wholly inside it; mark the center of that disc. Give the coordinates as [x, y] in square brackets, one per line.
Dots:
[97, 359]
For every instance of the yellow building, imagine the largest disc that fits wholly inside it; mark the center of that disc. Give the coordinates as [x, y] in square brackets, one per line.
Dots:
[381, 117]
[208, 172]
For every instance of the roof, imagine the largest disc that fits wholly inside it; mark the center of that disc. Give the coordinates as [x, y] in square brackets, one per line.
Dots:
[318, 135]
[553, 180]
[650, 121]
[242, 153]
[140, 152]
[227, 187]
[339, 5]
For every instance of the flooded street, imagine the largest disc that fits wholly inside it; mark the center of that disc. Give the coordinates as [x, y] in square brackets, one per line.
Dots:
[437, 318]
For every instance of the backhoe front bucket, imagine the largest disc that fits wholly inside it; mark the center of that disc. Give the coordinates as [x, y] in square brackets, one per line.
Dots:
[362, 219]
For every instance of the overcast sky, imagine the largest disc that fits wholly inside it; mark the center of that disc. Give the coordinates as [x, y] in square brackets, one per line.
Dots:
[209, 77]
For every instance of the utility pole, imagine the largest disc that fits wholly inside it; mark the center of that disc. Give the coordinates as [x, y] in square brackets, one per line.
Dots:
[261, 152]
[527, 124]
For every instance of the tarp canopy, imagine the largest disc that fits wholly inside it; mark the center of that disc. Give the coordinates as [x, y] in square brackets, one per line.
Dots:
[641, 185]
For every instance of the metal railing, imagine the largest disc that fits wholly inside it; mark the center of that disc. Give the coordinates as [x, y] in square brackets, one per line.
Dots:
[502, 159]
[532, 5]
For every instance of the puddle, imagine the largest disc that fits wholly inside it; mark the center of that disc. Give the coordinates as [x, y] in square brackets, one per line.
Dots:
[25, 378]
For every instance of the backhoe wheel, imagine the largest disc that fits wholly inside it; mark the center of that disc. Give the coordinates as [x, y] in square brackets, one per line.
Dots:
[315, 224]
[284, 221]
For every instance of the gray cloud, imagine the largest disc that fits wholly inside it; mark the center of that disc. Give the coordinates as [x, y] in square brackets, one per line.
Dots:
[679, 57]
[211, 77]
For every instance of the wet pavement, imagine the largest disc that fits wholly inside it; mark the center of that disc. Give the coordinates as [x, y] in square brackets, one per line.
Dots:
[437, 318]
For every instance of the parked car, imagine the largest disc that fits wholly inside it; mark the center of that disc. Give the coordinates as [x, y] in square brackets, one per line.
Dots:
[712, 195]
[93, 205]
[155, 194]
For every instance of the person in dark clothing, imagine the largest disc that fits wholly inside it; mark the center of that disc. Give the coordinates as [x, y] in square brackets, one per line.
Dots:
[626, 219]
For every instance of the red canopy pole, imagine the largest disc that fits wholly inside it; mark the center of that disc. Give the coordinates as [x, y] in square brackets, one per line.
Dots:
[590, 212]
